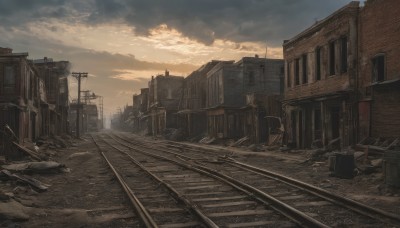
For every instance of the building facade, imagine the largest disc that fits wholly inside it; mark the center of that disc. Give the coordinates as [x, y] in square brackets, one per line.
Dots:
[320, 81]
[379, 70]
[165, 93]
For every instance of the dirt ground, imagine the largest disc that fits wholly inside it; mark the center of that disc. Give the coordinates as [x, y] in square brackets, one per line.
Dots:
[85, 194]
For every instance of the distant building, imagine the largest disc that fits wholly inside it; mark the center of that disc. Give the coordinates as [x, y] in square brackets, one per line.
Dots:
[192, 108]
[165, 93]
[229, 115]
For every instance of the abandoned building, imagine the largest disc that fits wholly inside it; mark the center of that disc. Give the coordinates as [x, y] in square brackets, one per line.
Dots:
[192, 115]
[20, 97]
[54, 74]
[320, 81]
[229, 114]
[165, 92]
[379, 71]
[33, 98]
[140, 114]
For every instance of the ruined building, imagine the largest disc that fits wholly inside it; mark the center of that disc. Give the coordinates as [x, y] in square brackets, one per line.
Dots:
[192, 115]
[320, 81]
[20, 96]
[54, 75]
[165, 93]
[231, 88]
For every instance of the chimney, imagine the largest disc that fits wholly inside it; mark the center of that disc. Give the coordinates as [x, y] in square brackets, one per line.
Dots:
[5, 51]
[166, 73]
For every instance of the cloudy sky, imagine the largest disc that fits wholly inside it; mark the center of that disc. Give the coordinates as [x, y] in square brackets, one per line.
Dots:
[122, 43]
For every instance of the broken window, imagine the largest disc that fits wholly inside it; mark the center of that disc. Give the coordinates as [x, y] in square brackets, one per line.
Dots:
[343, 55]
[9, 76]
[332, 61]
[289, 75]
[296, 71]
[318, 63]
[378, 68]
[304, 66]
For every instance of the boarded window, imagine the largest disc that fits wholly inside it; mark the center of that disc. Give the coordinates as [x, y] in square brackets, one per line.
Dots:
[318, 63]
[343, 54]
[378, 68]
[296, 71]
[332, 60]
[304, 67]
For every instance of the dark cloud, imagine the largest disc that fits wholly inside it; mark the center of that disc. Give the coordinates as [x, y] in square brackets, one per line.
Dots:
[203, 20]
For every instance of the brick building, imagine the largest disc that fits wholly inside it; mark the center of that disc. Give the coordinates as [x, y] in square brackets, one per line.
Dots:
[379, 69]
[20, 97]
[320, 80]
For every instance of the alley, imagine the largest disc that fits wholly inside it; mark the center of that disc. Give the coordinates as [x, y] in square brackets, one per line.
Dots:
[95, 198]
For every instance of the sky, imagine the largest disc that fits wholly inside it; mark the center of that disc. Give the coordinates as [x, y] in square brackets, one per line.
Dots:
[122, 43]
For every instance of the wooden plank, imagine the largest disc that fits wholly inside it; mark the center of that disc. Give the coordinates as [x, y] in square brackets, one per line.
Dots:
[28, 151]
[164, 210]
[219, 198]
[203, 187]
[180, 225]
[291, 197]
[261, 223]
[229, 204]
[240, 213]
[312, 203]
[205, 193]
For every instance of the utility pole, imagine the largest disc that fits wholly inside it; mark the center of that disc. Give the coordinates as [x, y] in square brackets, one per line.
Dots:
[78, 76]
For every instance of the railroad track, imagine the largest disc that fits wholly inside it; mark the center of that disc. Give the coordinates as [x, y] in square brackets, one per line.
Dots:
[221, 201]
[327, 208]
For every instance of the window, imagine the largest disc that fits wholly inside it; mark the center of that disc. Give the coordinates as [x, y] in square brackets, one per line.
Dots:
[251, 78]
[378, 68]
[332, 55]
[9, 76]
[289, 75]
[343, 55]
[318, 63]
[304, 67]
[296, 71]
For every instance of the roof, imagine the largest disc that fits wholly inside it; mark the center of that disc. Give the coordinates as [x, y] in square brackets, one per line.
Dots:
[317, 25]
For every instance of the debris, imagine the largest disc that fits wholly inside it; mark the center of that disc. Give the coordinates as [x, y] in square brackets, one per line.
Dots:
[28, 151]
[241, 141]
[12, 210]
[25, 179]
[358, 154]
[43, 166]
[377, 162]
[207, 140]
[316, 144]
[255, 147]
